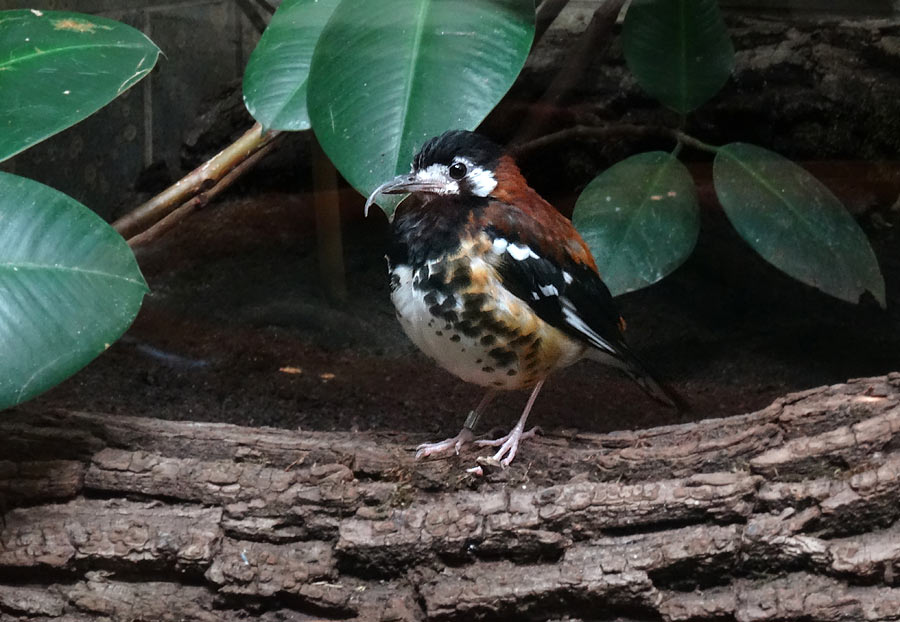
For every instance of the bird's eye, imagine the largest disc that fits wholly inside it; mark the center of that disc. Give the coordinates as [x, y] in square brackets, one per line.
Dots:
[458, 170]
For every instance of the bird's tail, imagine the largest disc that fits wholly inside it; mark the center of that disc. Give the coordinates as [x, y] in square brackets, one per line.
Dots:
[635, 369]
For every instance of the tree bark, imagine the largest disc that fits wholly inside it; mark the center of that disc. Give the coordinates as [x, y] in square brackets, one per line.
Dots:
[789, 513]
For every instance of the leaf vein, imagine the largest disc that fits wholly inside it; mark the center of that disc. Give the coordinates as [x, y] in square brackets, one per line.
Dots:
[36, 266]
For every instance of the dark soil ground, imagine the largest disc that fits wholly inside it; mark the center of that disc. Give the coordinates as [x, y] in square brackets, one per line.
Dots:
[238, 329]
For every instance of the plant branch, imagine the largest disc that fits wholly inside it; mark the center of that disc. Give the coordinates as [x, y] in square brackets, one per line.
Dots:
[585, 49]
[608, 131]
[199, 201]
[545, 15]
[201, 179]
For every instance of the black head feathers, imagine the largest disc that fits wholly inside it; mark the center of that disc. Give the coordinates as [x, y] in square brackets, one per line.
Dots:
[477, 149]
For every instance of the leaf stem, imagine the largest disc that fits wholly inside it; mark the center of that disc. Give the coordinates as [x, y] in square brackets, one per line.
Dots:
[690, 141]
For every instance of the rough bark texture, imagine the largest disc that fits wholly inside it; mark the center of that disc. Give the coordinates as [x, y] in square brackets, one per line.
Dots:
[789, 513]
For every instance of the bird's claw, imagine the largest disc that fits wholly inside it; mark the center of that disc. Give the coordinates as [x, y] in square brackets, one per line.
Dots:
[456, 443]
[509, 445]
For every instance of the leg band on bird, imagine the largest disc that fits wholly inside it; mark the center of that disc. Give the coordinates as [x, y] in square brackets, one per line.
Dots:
[465, 435]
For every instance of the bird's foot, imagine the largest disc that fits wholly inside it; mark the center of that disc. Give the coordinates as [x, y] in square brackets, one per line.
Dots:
[456, 443]
[508, 444]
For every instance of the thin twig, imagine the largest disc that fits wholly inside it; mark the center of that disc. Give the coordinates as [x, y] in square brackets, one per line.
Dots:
[201, 200]
[608, 131]
[200, 179]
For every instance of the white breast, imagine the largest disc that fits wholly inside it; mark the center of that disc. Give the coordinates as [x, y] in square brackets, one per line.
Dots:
[464, 356]
[479, 356]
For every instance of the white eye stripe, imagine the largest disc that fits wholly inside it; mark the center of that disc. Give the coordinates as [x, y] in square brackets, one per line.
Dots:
[480, 181]
[438, 175]
[434, 172]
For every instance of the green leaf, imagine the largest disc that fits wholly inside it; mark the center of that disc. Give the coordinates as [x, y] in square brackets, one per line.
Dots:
[69, 287]
[640, 219]
[276, 77]
[795, 222]
[56, 68]
[388, 75]
[679, 50]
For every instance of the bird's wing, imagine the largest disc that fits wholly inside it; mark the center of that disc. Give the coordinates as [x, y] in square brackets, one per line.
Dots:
[568, 295]
[572, 297]
[541, 259]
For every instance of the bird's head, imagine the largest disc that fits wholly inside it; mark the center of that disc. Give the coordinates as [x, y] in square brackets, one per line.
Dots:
[457, 162]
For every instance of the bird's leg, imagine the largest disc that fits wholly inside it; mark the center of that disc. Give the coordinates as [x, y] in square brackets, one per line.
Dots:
[465, 435]
[509, 444]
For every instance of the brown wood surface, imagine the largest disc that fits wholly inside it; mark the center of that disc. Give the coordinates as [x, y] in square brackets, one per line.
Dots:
[789, 513]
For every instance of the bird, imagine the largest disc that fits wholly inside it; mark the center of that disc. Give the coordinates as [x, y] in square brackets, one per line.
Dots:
[494, 284]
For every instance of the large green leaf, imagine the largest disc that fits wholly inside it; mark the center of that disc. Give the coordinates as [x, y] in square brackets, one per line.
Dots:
[276, 76]
[388, 75]
[795, 222]
[640, 218]
[56, 68]
[69, 286]
[678, 50]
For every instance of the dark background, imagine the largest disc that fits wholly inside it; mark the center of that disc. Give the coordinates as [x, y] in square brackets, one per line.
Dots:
[240, 327]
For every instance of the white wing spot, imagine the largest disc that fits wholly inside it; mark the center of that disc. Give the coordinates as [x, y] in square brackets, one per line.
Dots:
[499, 246]
[549, 290]
[567, 277]
[521, 253]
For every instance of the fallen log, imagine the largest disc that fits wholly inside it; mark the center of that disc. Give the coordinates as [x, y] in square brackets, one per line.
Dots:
[788, 513]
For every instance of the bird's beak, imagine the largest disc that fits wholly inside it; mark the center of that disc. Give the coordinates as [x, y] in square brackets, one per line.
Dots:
[402, 184]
